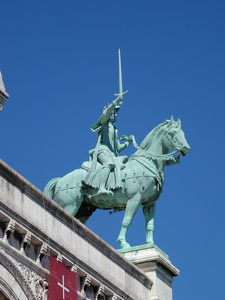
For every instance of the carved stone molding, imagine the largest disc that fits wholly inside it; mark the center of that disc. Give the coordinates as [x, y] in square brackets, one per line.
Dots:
[100, 292]
[43, 251]
[7, 290]
[31, 283]
[87, 282]
[26, 241]
[10, 228]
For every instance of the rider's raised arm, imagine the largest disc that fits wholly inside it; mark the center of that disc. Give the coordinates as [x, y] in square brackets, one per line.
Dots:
[110, 109]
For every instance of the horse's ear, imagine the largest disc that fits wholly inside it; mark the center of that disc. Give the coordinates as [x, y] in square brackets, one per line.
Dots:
[171, 121]
[179, 122]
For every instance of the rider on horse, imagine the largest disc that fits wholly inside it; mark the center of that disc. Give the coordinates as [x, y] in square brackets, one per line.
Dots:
[107, 177]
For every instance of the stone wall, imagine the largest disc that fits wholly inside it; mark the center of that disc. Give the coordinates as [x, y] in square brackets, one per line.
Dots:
[33, 227]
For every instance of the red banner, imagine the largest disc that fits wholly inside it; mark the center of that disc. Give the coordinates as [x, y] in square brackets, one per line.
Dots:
[63, 282]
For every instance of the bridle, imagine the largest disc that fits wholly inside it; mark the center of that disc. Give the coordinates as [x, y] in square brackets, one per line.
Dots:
[152, 156]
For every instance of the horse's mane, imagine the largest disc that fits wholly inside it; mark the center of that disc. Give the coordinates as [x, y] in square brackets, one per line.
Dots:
[146, 143]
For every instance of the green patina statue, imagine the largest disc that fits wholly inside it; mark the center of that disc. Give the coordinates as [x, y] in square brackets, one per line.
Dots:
[107, 177]
[111, 182]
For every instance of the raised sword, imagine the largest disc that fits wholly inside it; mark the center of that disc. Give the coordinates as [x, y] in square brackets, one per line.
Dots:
[120, 76]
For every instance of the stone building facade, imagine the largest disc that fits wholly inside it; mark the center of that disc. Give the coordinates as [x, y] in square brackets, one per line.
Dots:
[33, 227]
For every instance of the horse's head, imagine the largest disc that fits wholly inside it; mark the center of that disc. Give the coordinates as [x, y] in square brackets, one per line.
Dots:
[174, 137]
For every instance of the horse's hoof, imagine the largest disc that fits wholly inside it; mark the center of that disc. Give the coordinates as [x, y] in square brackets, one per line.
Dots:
[150, 245]
[123, 245]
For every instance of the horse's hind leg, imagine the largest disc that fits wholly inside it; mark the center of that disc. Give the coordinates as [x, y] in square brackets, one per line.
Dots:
[149, 212]
[132, 206]
[72, 209]
[70, 201]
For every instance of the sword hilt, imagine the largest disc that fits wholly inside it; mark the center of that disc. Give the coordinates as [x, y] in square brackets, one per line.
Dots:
[123, 93]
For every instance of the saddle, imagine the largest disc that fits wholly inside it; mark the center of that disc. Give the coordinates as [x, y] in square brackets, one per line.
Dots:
[87, 164]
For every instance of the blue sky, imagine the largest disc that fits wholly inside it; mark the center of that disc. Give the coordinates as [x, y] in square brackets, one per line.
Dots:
[59, 65]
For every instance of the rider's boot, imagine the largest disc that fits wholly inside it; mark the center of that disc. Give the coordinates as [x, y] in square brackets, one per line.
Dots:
[103, 179]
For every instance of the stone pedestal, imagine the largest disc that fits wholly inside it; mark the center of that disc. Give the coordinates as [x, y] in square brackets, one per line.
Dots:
[156, 264]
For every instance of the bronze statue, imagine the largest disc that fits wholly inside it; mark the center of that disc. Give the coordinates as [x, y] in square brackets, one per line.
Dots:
[108, 177]
[109, 181]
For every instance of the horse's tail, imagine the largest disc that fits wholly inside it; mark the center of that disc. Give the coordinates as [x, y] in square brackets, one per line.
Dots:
[49, 190]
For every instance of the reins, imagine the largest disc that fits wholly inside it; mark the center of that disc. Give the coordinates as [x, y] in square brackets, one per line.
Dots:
[149, 156]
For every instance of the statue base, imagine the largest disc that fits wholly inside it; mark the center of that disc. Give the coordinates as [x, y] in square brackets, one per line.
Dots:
[156, 264]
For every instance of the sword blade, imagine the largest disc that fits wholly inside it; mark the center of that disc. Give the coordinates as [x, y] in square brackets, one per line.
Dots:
[120, 73]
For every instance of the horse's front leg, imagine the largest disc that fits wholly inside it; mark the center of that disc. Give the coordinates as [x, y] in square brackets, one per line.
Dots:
[149, 212]
[131, 208]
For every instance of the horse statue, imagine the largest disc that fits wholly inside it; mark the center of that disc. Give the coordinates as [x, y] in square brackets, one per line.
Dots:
[142, 181]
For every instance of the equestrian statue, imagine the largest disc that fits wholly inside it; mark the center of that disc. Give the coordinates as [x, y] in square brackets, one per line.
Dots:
[112, 182]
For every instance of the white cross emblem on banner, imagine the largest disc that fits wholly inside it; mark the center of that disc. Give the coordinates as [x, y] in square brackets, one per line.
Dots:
[62, 285]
